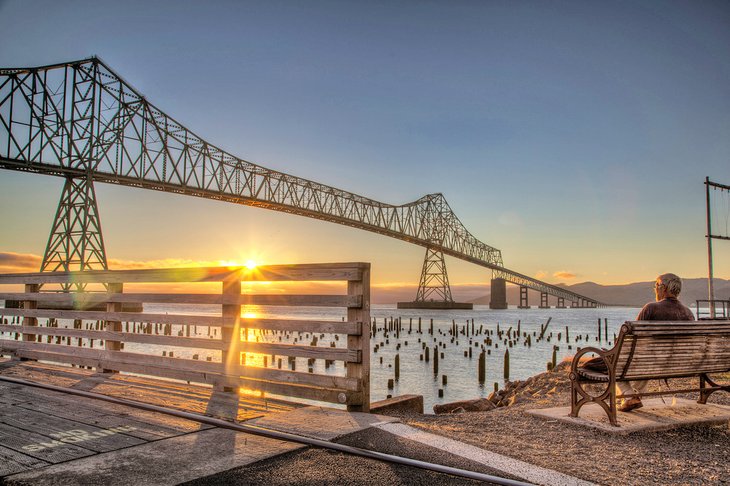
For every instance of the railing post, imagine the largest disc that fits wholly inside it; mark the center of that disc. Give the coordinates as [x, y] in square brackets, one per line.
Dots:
[30, 321]
[231, 328]
[113, 326]
[361, 314]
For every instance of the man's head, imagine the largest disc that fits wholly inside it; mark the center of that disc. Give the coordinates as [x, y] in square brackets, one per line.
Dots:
[667, 285]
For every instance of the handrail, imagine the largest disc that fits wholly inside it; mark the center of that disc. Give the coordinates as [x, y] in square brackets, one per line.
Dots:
[93, 328]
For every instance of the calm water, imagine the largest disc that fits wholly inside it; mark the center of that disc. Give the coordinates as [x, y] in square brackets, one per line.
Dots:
[416, 375]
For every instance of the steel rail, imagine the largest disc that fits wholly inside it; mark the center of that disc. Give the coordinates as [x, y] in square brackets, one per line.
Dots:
[273, 434]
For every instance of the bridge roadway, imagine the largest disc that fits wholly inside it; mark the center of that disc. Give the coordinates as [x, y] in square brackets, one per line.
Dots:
[82, 121]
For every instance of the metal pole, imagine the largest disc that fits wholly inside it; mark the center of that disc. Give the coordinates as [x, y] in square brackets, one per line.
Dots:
[710, 287]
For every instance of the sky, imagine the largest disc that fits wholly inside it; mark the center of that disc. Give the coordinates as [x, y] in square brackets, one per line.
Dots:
[574, 136]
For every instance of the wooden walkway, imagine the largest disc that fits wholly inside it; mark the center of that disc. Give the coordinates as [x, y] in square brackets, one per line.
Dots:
[40, 428]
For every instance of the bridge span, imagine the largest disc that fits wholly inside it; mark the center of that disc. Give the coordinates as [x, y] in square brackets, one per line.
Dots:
[81, 121]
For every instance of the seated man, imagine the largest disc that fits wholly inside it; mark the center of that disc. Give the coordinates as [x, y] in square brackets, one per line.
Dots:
[666, 308]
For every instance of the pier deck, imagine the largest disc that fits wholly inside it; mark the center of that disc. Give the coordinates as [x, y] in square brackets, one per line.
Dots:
[50, 437]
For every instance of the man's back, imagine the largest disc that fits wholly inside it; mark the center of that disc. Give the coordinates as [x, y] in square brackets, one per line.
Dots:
[668, 309]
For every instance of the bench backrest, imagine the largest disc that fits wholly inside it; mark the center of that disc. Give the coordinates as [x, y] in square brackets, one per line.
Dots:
[658, 349]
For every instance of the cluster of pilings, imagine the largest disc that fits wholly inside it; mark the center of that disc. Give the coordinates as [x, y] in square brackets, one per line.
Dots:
[473, 342]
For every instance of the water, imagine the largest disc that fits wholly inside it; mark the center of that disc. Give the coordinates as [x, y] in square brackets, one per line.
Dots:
[416, 375]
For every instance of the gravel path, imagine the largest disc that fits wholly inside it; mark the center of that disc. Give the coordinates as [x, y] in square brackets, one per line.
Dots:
[690, 455]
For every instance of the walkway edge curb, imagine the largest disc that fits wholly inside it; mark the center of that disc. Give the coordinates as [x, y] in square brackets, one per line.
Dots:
[503, 464]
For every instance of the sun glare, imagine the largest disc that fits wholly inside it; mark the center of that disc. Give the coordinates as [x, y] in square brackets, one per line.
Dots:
[250, 264]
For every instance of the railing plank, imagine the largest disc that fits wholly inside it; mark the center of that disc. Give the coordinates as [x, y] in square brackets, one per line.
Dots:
[268, 273]
[126, 337]
[176, 319]
[284, 389]
[291, 325]
[82, 300]
[299, 378]
[339, 354]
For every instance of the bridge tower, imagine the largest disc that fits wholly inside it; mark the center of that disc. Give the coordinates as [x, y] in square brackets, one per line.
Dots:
[434, 291]
[76, 242]
[434, 279]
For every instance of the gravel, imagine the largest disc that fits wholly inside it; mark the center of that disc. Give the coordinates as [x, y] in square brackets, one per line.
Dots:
[689, 455]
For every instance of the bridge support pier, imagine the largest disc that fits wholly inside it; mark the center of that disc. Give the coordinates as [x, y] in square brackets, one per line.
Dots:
[498, 299]
[544, 300]
[523, 298]
[561, 303]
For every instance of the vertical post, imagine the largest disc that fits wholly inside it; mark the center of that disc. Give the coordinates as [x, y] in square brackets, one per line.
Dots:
[230, 328]
[360, 342]
[113, 325]
[30, 321]
[523, 298]
[498, 299]
[710, 287]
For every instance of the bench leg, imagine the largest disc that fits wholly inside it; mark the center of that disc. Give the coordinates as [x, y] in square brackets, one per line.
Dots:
[612, 409]
[573, 399]
[706, 391]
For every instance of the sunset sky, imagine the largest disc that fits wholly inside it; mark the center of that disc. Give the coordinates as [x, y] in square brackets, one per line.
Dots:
[573, 136]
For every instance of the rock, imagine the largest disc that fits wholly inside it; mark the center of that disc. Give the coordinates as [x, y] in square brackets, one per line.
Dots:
[514, 399]
[477, 405]
[495, 396]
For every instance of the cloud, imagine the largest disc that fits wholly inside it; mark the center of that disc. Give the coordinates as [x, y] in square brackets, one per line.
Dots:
[565, 275]
[11, 262]
[540, 275]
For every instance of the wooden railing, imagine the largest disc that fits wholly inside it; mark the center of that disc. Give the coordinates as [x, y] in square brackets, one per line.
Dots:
[91, 328]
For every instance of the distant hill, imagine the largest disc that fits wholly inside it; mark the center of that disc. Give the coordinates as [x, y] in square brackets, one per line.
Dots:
[633, 295]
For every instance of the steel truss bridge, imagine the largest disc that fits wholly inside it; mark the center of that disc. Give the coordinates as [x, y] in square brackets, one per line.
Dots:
[83, 122]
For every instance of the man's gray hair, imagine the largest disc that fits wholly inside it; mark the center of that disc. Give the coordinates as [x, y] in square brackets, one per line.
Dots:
[671, 282]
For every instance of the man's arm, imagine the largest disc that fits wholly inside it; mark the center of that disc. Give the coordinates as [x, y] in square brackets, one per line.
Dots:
[645, 313]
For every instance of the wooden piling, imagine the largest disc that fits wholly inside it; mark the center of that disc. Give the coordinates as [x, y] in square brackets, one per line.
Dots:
[482, 369]
[506, 365]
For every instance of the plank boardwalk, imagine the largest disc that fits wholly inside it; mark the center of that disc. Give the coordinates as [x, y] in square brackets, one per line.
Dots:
[41, 428]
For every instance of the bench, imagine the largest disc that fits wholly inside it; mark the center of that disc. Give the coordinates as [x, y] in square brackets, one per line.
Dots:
[651, 350]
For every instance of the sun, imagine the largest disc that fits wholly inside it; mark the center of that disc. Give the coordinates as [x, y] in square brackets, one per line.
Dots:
[250, 264]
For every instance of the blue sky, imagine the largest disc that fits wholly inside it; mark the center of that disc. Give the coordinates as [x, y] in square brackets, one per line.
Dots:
[573, 136]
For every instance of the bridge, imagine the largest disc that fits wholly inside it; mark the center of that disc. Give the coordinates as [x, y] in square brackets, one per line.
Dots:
[81, 121]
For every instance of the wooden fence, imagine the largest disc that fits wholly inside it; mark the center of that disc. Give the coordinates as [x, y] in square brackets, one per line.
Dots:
[100, 324]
